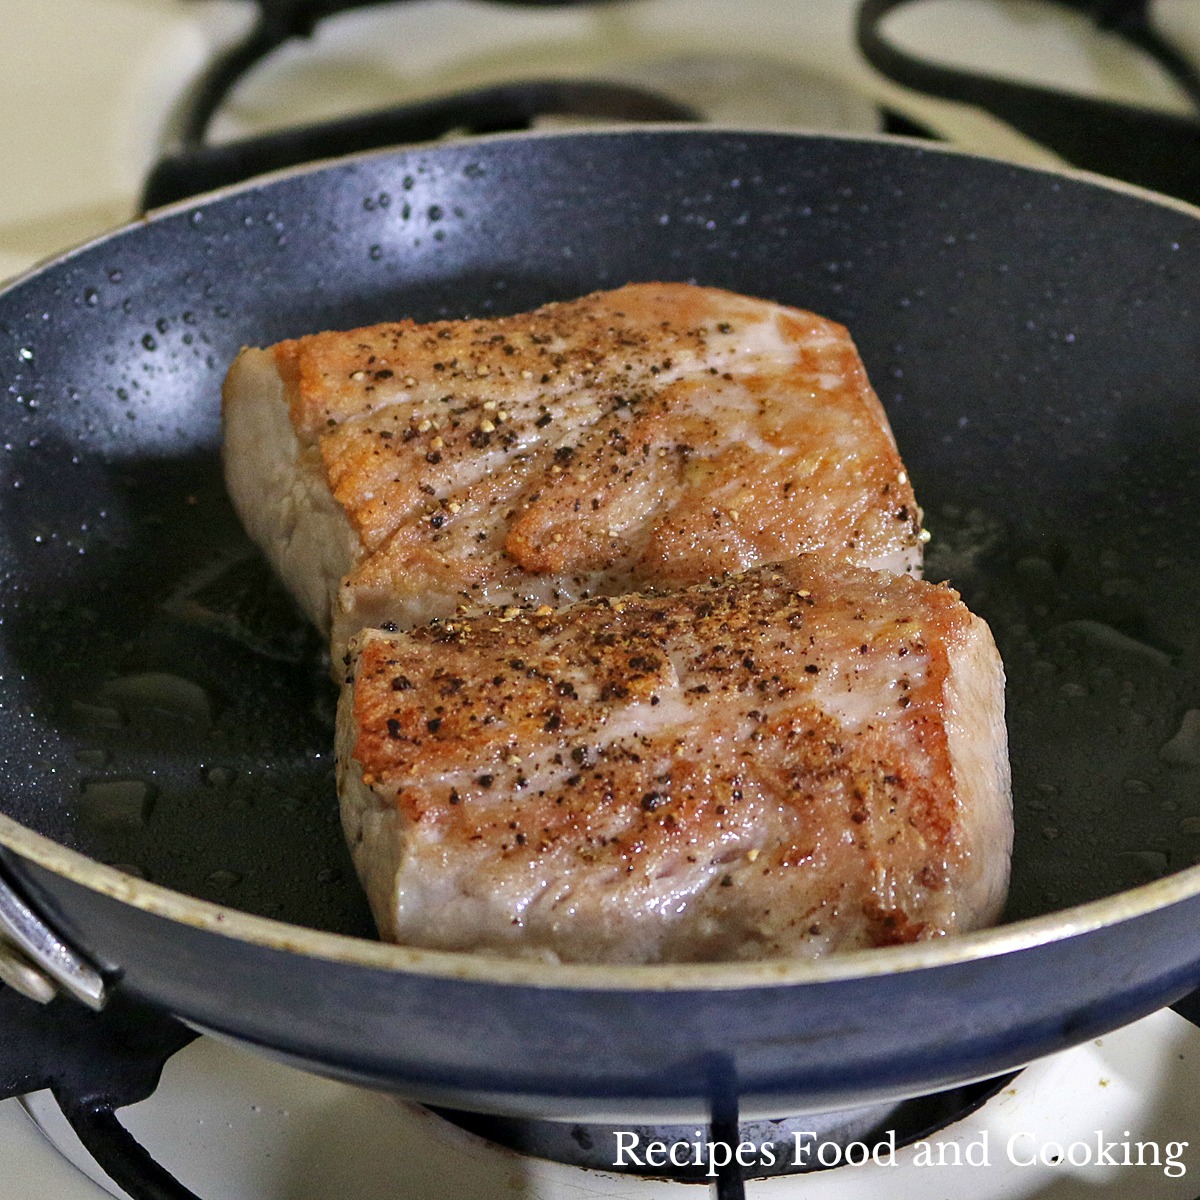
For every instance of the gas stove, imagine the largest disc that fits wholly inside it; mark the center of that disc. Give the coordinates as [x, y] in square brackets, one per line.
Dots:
[94, 94]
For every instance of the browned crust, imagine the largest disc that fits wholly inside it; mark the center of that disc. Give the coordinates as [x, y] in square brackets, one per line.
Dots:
[471, 452]
[486, 729]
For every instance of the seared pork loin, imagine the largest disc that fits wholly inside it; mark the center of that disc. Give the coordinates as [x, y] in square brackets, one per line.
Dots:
[803, 758]
[600, 728]
[652, 436]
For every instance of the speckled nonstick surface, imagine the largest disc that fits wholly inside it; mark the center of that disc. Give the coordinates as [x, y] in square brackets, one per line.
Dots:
[1034, 339]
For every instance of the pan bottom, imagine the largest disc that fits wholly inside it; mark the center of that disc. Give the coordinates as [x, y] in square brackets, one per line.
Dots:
[191, 747]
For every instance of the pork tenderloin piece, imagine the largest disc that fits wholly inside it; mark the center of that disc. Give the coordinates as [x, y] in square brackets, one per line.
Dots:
[656, 435]
[804, 758]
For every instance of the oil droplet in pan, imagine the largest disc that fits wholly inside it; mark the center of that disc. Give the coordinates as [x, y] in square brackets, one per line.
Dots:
[1147, 864]
[102, 716]
[117, 803]
[161, 692]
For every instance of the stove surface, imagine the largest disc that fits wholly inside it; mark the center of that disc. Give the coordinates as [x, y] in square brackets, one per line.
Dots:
[89, 90]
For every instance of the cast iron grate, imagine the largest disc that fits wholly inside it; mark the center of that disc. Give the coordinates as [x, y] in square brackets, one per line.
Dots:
[1147, 147]
[1151, 148]
[194, 166]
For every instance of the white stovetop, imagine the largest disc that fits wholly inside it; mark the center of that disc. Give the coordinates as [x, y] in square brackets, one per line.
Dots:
[87, 89]
[87, 86]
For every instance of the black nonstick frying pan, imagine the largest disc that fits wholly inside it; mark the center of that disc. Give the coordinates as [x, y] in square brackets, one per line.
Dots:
[168, 805]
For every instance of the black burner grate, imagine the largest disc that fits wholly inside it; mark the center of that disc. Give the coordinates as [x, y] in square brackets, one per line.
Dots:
[1154, 149]
[194, 166]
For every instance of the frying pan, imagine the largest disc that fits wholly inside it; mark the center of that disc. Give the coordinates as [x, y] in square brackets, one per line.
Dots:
[169, 812]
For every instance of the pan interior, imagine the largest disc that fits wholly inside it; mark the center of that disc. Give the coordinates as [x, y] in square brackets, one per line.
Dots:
[1032, 338]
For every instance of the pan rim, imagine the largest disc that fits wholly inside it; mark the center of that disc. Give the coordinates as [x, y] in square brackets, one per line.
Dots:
[468, 966]
[158, 900]
[1058, 169]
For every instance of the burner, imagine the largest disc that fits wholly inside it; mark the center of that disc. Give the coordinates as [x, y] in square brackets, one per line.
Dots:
[693, 1154]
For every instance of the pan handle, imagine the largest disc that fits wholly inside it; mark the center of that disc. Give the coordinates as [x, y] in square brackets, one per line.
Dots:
[36, 961]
